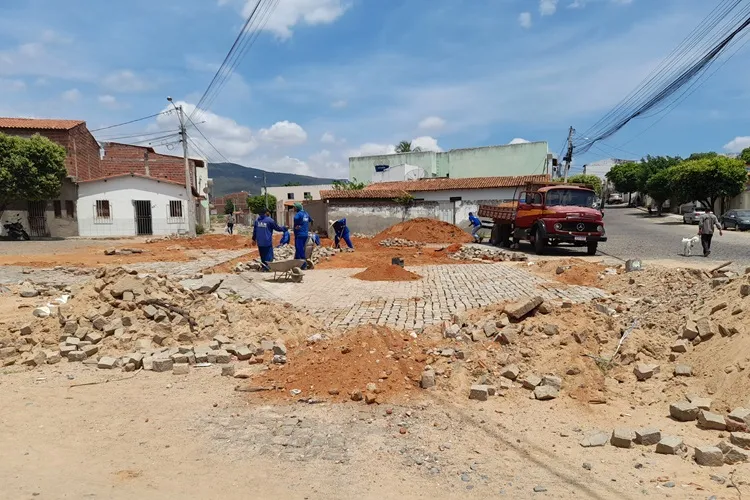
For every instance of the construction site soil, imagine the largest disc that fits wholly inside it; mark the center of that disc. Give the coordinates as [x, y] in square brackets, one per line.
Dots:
[368, 252]
[386, 272]
[424, 230]
[570, 271]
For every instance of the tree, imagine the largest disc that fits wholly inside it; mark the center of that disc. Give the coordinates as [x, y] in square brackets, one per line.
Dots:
[257, 203]
[30, 169]
[709, 179]
[590, 180]
[229, 207]
[290, 184]
[652, 165]
[702, 156]
[660, 186]
[625, 177]
[405, 147]
[745, 155]
[352, 185]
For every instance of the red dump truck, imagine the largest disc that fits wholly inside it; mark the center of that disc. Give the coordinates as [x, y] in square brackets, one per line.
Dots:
[548, 215]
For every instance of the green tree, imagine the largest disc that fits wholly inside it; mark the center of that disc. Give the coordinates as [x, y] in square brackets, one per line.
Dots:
[257, 203]
[660, 186]
[30, 169]
[745, 155]
[405, 147]
[352, 185]
[290, 184]
[590, 180]
[625, 177]
[709, 180]
[652, 165]
[229, 207]
[702, 156]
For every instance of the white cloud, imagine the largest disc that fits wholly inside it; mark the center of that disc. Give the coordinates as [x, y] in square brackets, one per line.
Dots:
[547, 7]
[290, 13]
[425, 143]
[285, 132]
[518, 140]
[34, 49]
[12, 85]
[372, 149]
[524, 19]
[291, 165]
[328, 138]
[111, 102]
[322, 165]
[72, 95]
[339, 104]
[737, 144]
[127, 81]
[432, 123]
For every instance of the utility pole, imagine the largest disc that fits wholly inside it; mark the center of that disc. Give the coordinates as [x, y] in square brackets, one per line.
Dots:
[188, 185]
[569, 155]
[265, 187]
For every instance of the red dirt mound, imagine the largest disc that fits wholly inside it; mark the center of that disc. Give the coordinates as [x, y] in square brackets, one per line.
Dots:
[425, 231]
[386, 272]
[333, 369]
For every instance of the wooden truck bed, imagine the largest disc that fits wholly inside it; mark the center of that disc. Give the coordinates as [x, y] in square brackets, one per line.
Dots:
[501, 212]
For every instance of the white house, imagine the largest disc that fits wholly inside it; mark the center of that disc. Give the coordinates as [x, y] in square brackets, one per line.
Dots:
[130, 205]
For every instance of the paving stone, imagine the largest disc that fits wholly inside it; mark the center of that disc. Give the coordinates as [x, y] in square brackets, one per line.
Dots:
[52, 357]
[700, 402]
[223, 357]
[690, 330]
[89, 350]
[94, 337]
[531, 381]
[732, 454]
[647, 437]
[551, 330]
[670, 445]
[705, 330]
[148, 363]
[553, 381]
[595, 439]
[683, 371]
[508, 335]
[741, 439]
[76, 356]
[490, 329]
[135, 358]
[644, 371]
[428, 379]
[713, 421]
[179, 358]
[150, 311]
[510, 372]
[180, 369]
[243, 353]
[222, 339]
[741, 415]
[107, 362]
[546, 392]
[709, 456]
[162, 364]
[684, 411]
[519, 309]
[622, 438]
[680, 346]
[479, 392]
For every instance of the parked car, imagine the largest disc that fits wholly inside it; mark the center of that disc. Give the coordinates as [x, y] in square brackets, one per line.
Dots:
[736, 219]
[693, 215]
[614, 199]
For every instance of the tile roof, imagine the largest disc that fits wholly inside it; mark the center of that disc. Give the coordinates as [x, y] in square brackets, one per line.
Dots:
[374, 194]
[444, 183]
[39, 123]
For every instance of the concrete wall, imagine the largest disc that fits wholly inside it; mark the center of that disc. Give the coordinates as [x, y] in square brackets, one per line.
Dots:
[512, 159]
[203, 213]
[64, 226]
[121, 193]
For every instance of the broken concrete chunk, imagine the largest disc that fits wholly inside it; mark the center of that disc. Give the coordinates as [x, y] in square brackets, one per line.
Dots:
[690, 330]
[53, 357]
[741, 415]
[510, 372]
[94, 337]
[595, 439]
[222, 339]
[243, 353]
[89, 350]
[701, 403]
[680, 346]
[708, 420]
[279, 349]
[490, 329]
[150, 311]
[180, 369]
[741, 439]
[546, 392]
[705, 331]
[531, 381]
[508, 335]
[732, 454]
[647, 437]
[670, 445]
[709, 456]
[222, 357]
[107, 362]
[161, 364]
[644, 372]
[622, 438]
[428, 379]
[523, 307]
[479, 392]
[76, 356]
[684, 411]
[683, 371]
[227, 371]
[553, 381]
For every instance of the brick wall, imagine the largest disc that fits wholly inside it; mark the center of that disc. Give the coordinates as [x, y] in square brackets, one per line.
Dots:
[126, 158]
[239, 199]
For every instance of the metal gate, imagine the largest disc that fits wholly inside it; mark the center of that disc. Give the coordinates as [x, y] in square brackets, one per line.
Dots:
[143, 220]
[38, 218]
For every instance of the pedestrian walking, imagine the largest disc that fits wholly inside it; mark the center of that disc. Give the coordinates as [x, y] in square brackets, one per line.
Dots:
[231, 219]
[706, 224]
[476, 225]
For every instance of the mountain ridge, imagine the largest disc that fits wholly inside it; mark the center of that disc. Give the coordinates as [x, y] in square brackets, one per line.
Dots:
[232, 178]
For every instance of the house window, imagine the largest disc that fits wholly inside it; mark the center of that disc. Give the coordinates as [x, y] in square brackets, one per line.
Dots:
[57, 204]
[70, 209]
[290, 196]
[103, 212]
[308, 196]
[175, 209]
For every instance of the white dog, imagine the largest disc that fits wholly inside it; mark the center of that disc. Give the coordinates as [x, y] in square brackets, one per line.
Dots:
[688, 243]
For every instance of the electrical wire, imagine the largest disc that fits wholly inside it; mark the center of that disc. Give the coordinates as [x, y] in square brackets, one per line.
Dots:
[142, 134]
[132, 121]
[208, 141]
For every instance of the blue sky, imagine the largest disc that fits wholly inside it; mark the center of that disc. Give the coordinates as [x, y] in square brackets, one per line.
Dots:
[332, 78]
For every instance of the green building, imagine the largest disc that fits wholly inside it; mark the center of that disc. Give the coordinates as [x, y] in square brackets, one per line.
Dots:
[512, 159]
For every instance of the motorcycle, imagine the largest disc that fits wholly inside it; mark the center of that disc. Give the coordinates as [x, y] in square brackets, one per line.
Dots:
[15, 230]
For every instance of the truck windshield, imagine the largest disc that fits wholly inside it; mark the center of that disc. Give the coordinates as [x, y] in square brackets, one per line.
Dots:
[570, 198]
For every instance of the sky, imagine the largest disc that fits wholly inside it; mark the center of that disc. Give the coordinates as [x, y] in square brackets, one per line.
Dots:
[330, 79]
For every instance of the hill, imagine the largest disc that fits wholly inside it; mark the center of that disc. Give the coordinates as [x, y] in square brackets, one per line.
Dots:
[231, 178]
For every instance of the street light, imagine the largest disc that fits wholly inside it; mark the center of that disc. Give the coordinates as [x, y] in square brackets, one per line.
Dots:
[265, 187]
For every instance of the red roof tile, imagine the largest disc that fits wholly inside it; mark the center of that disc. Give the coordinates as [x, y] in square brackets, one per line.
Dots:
[375, 194]
[39, 123]
[443, 183]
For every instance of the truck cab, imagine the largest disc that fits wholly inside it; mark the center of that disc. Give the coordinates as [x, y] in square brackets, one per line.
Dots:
[549, 216]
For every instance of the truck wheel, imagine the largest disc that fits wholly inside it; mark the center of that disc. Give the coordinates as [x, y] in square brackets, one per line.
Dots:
[591, 248]
[504, 236]
[495, 235]
[539, 244]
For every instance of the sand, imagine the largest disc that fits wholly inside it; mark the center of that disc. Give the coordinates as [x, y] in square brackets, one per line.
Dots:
[386, 272]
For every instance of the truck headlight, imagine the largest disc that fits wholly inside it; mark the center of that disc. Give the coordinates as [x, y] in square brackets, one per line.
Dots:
[600, 229]
[558, 226]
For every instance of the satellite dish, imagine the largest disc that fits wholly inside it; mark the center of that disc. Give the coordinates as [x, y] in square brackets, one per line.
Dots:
[415, 174]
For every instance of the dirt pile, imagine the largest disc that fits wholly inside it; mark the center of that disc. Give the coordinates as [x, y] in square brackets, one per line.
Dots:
[425, 231]
[572, 271]
[386, 272]
[369, 364]
[368, 252]
[120, 313]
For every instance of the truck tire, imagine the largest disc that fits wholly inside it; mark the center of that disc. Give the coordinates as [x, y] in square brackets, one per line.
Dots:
[495, 235]
[504, 235]
[540, 244]
[591, 248]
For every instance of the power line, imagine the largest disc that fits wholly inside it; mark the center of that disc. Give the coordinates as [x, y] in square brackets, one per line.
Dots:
[142, 134]
[132, 121]
[206, 139]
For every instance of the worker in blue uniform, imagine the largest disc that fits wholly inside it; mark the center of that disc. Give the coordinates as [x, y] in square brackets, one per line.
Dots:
[263, 236]
[341, 232]
[284, 237]
[302, 222]
[476, 225]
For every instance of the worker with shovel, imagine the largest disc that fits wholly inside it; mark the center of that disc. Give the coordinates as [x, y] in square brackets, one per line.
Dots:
[263, 235]
[341, 232]
[302, 222]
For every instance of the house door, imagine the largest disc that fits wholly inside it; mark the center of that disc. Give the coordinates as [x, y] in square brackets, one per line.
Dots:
[143, 220]
[38, 218]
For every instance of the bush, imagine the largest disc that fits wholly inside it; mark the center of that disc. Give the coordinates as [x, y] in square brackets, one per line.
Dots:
[199, 229]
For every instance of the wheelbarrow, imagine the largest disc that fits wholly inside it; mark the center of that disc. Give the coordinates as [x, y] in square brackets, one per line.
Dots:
[289, 269]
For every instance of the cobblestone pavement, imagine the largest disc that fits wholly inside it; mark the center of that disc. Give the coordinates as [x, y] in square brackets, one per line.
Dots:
[342, 301]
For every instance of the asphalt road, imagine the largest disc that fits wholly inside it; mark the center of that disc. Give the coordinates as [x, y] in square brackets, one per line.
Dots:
[633, 234]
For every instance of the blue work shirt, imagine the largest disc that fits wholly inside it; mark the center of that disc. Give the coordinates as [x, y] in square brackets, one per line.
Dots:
[316, 239]
[340, 226]
[263, 231]
[302, 223]
[475, 221]
[284, 238]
